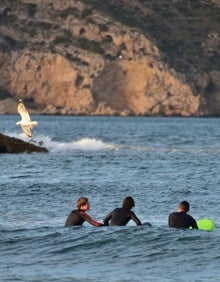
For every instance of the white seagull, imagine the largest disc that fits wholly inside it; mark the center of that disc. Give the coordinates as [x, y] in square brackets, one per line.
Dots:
[25, 122]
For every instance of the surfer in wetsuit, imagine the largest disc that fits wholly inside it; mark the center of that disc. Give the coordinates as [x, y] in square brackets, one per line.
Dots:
[181, 219]
[77, 217]
[121, 216]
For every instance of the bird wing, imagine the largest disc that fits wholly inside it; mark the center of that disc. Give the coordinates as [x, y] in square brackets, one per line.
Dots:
[27, 130]
[23, 112]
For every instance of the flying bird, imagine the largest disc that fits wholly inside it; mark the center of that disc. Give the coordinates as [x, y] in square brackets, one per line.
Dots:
[25, 122]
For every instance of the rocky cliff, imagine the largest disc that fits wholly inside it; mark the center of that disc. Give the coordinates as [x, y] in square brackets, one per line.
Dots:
[115, 57]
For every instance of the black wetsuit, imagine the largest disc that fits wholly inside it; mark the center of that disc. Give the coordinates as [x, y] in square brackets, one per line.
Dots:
[181, 220]
[121, 216]
[77, 217]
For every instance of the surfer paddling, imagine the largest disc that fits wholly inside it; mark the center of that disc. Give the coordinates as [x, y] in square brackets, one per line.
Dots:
[181, 219]
[77, 217]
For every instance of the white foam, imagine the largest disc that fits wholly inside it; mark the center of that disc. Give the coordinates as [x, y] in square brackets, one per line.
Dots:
[85, 144]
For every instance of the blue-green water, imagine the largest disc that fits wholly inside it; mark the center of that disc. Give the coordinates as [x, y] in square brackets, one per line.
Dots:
[157, 161]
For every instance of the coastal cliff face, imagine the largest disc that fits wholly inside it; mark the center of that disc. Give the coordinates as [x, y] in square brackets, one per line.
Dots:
[110, 57]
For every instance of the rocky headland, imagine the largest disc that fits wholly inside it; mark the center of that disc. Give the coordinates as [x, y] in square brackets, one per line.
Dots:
[115, 57]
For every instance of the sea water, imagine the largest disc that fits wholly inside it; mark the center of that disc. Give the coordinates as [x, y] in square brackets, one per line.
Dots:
[157, 161]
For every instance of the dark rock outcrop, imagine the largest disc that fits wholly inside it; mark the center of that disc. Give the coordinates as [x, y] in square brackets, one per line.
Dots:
[14, 145]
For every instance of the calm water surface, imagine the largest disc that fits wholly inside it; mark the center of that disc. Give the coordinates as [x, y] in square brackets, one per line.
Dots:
[158, 161]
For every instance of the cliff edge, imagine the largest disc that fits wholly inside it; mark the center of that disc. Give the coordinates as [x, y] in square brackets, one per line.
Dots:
[95, 57]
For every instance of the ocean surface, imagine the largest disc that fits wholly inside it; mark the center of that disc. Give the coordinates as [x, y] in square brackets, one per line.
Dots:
[157, 161]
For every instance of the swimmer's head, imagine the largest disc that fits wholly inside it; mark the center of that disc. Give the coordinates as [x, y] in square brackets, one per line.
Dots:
[82, 201]
[184, 206]
[128, 202]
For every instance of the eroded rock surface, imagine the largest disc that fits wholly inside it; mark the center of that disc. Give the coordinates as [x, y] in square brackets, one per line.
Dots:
[110, 57]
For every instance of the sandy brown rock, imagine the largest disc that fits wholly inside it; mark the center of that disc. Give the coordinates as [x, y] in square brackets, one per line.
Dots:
[110, 58]
[8, 106]
[138, 87]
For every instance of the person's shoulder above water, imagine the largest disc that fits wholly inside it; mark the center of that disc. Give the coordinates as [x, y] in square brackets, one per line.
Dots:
[79, 216]
[181, 219]
[74, 219]
[121, 216]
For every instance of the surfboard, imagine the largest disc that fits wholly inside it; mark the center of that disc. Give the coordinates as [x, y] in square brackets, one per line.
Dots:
[206, 224]
[147, 224]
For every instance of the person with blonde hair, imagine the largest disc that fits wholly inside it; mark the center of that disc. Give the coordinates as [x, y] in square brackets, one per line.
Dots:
[79, 216]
